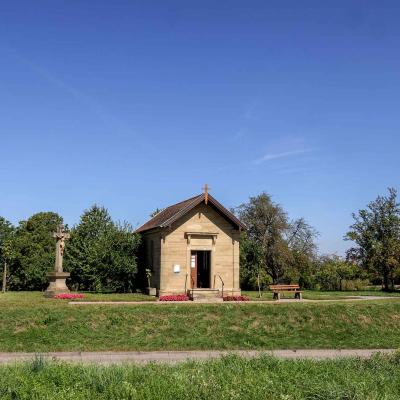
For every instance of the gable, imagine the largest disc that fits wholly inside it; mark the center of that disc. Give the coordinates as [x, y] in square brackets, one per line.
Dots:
[203, 220]
[173, 213]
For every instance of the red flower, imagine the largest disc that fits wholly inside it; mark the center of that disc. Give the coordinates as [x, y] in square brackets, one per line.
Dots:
[175, 297]
[236, 298]
[69, 296]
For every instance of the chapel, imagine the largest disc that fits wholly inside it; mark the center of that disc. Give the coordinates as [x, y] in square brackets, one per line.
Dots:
[193, 247]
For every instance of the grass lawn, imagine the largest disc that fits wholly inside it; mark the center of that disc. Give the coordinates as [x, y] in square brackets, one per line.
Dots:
[225, 379]
[28, 322]
[116, 297]
[35, 299]
[322, 295]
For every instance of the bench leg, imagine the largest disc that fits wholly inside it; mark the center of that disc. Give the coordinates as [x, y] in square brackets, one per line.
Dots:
[297, 296]
[277, 296]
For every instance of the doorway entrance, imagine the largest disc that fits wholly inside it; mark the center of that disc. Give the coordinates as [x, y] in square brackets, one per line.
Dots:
[200, 269]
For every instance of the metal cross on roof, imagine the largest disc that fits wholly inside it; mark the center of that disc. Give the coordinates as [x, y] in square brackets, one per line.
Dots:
[206, 189]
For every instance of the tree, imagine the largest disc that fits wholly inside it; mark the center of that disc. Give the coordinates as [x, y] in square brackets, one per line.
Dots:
[267, 224]
[376, 233]
[273, 245]
[332, 272]
[155, 212]
[301, 237]
[33, 251]
[252, 271]
[6, 233]
[101, 254]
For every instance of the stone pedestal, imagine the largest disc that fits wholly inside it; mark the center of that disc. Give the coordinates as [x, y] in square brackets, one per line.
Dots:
[151, 291]
[57, 283]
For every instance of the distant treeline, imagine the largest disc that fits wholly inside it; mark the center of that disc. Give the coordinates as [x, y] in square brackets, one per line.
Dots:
[276, 249]
[102, 255]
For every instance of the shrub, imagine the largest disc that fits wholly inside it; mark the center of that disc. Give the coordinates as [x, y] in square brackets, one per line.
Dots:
[175, 297]
[355, 284]
[236, 298]
[69, 296]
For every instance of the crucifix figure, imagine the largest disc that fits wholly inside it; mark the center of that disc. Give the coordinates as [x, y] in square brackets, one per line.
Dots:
[206, 189]
[57, 278]
[61, 235]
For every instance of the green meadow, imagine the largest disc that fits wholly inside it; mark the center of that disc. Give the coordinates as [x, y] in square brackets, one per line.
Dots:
[28, 322]
[225, 379]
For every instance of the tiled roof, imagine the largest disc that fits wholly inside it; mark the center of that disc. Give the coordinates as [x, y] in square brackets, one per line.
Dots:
[170, 214]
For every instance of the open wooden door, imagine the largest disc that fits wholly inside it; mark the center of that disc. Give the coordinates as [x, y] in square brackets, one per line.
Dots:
[200, 269]
[193, 269]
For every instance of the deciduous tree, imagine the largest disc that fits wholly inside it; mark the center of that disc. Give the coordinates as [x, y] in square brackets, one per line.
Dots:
[6, 234]
[33, 251]
[267, 224]
[101, 254]
[273, 244]
[300, 238]
[376, 234]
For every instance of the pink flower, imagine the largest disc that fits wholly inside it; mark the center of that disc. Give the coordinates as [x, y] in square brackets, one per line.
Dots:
[69, 296]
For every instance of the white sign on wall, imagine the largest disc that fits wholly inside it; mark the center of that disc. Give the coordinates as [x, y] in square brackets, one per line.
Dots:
[177, 268]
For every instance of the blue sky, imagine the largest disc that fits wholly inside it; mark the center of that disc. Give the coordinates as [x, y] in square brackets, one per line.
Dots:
[136, 104]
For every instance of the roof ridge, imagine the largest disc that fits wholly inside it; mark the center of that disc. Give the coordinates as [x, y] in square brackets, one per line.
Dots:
[184, 201]
[189, 201]
[175, 211]
[166, 213]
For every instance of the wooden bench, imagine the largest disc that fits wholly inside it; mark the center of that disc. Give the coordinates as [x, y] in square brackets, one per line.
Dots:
[278, 289]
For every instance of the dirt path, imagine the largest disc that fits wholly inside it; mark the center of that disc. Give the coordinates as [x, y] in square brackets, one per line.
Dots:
[171, 357]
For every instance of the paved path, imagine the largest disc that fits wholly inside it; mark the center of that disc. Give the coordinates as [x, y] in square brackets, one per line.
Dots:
[289, 300]
[179, 356]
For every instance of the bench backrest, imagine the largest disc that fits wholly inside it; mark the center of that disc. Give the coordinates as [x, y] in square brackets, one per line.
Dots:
[284, 287]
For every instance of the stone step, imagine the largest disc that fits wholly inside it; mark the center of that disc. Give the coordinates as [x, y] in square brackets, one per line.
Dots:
[209, 300]
[204, 294]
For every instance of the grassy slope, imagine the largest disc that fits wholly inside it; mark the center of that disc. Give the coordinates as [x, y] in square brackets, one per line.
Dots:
[226, 379]
[31, 323]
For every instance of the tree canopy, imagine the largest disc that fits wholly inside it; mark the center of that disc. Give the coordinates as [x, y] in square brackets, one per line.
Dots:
[376, 234]
[273, 244]
[6, 231]
[33, 251]
[101, 254]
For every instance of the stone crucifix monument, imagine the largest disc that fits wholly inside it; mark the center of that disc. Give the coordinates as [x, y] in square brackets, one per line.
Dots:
[58, 277]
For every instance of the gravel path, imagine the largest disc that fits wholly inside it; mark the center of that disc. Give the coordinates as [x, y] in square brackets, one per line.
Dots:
[171, 357]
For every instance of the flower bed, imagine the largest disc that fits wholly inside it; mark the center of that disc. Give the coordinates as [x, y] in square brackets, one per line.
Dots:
[69, 296]
[236, 298]
[175, 297]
